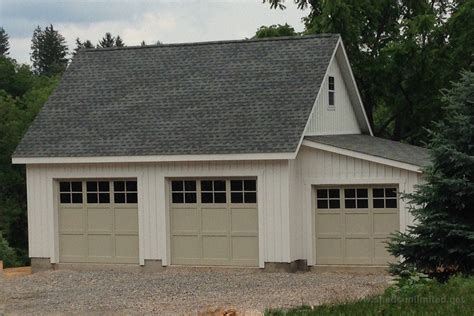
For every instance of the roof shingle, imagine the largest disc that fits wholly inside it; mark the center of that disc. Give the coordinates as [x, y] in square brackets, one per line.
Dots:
[250, 96]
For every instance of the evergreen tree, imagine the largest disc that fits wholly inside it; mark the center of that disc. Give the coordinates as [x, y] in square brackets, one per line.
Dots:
[119, 42]
[442, 242]
[81, 45]
[110, 41]
[4, 44]
[49, 51]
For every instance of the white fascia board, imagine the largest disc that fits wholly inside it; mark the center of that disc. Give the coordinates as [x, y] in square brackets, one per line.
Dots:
[358, 155]
[162, 158]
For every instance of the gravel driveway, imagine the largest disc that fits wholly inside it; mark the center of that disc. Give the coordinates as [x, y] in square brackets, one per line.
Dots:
[178, 291]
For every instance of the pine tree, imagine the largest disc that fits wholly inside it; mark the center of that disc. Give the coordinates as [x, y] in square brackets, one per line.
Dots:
[442, 242]
[119, 42]
[49, 51]
[4, 44]
[107, 41]
[80, 45]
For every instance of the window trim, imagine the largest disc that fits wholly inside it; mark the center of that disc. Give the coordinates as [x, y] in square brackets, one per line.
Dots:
[331, 92]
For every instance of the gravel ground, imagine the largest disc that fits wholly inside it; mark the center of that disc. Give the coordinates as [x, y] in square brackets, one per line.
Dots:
[178, 291]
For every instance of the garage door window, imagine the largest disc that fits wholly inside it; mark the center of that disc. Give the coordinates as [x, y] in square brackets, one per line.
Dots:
[213, 191]
[125, 192]
[98, 192]
[385, 197]
[183, 191]
[70, 192]
[328, 199]
[356, 198]
[243, 191]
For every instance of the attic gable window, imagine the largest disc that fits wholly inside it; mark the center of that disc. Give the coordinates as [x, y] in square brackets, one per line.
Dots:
[331, 91]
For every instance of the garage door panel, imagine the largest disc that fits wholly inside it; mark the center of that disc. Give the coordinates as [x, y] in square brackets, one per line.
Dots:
[385, 222]
[71, 219]
[126, 220]
[215, 247]
[186, 247]
[329, 250]
[185, 220]
[381, 253]
[125, 246]
[100, 246]
[244, 220]
[357, 223]
[214, 220]
[73, 245]
[329, 223]
[358, 250]
[245, 248]
[99, 220]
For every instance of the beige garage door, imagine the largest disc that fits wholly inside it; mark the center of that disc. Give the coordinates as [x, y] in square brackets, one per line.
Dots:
[214, 222]
[98, 221]
[352, 224]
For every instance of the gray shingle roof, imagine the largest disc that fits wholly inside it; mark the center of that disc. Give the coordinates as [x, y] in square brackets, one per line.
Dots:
[250, 96]
[376, 146]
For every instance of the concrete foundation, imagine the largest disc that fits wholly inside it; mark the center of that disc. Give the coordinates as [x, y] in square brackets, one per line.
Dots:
[351, 269]
[290, 267]
[153, 266]
[41, 264]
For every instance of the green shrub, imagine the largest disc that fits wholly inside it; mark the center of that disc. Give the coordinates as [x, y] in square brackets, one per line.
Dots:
[7, 254]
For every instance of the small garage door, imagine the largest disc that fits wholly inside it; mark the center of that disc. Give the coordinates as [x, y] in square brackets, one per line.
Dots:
[214, 222]
[98, 221]
[352, 224]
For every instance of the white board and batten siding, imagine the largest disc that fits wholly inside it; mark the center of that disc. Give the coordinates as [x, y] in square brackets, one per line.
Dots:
[314, 167]
[273, 202]
[337, 119]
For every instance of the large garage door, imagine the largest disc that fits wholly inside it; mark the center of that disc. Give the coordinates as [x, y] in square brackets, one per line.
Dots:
[98, 221]
[353, 223]
[214, 222]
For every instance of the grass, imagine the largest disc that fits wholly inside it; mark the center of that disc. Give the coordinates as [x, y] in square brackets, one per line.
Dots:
[456, 297]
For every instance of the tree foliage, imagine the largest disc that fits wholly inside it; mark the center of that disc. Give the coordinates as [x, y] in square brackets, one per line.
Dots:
[402, 53]
[4, 43]
[442, 242]
[81, 45]
[49, 51]
[275, 31]
[110, 41]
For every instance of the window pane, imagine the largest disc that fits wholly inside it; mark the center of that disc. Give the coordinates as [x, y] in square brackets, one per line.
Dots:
[236, 185]
[349, 193]
[362, 193]
[219, 198]
[206, 185]
[77, 198]
[378, 192]
[322, 203]
[119, 197]
[321, 194]
[334, 193]
[237, 197]
[119, 186]
[350, 203]
[219, 185]
[132, 186]
[190, 185]
[190, 197]
[76, 186]
[65, 198]
[91, 186]
[362, 203]
[331, 83]
[391, 192]
[64, 187]
[177, 186]
[178, 197]
[206, 197]
[391, 203]
[250, 185]
[132, 198]
[334, 204]
[250, 197]
[331, 98]
[91, 197]
[378, 203]
[104, 186]
[104, 198]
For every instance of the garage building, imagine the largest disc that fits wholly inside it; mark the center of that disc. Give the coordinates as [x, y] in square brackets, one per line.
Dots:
[249, 153]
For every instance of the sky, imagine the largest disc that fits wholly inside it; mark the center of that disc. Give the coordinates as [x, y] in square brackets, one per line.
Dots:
[167, 21]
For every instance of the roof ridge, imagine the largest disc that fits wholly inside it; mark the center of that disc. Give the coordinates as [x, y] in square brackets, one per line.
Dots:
[249, 40]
